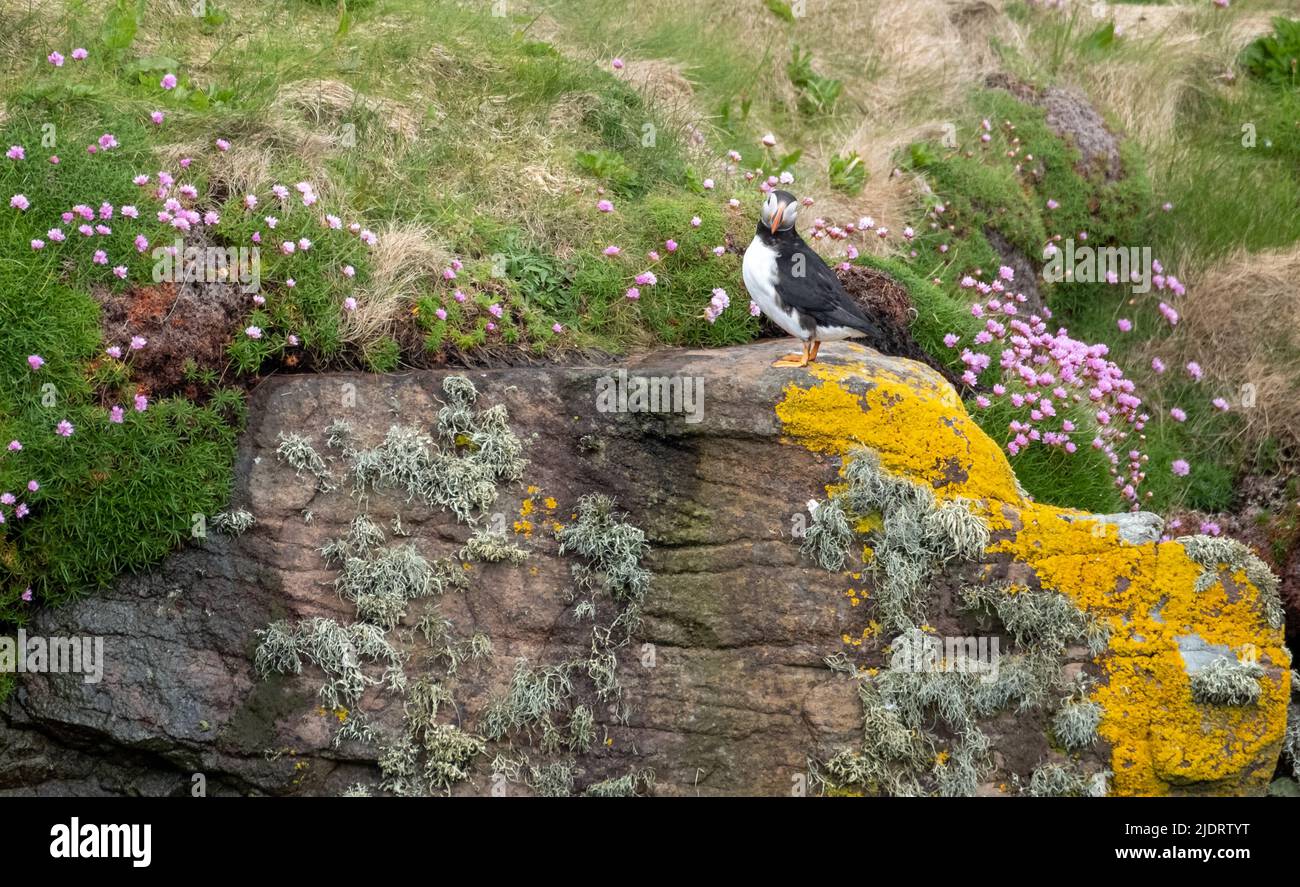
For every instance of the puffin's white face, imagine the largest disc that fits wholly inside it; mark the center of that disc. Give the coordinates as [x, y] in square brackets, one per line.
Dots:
[778, 213]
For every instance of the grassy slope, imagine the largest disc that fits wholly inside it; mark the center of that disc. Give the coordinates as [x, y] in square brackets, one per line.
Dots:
[455, 133]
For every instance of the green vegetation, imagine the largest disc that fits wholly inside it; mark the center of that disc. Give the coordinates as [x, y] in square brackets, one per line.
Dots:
[1275, 59]
[454, 165]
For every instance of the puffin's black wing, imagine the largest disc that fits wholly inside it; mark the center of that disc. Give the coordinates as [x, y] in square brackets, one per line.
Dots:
[820, 294]
[804, 281]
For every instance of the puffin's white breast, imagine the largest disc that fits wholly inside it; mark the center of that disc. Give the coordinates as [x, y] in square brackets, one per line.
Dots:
[759, 272]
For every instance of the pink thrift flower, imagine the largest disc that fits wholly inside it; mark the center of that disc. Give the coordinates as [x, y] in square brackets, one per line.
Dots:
[64, 428]
[168, 82]
[604, 206]
[557, 328]
[253, 332]
[1180, 467]
[1194, 370]
[350, 304]
[157, 117]
[141, 403]
[19, 202]
[35, 361]
[633, 293]
[55, 58]
[1125, 325]
[79, 53]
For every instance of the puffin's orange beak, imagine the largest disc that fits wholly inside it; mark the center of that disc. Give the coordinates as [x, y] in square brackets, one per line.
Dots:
[776, 219]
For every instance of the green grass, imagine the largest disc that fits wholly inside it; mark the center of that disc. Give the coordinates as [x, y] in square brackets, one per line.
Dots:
[982, 191]
[489, 140]
[111, 497]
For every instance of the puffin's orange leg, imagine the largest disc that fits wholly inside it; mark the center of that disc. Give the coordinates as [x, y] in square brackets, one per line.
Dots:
[815, 346]
[794, 360]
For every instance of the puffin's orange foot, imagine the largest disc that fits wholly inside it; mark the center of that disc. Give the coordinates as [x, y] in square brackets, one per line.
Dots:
[792, 360]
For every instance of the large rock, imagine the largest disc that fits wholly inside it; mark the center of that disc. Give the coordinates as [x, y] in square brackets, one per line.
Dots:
[725, 680]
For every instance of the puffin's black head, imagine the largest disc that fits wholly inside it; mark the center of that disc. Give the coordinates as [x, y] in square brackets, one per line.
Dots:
[779, 211]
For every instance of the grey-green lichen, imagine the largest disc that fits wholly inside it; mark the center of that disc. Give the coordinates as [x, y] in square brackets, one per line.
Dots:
[902, 753]
[612, 545]
[302, 456]
[479, 451]
[1227, 682]
[363, 536]
[629, 785]
[1075, 723]
[492, 547]
[918, 536]
[827, 539]
[458, 465]
[1291, 740]
[1044, 620]
[233, 523]
[1054, 780]
[1215, 553]
[339, 651]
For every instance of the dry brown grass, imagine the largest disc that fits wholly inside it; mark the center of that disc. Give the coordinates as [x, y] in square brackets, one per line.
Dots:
[1242, 324]
[328, 104]
[914, 63]
[1164, 54]
[404, 262]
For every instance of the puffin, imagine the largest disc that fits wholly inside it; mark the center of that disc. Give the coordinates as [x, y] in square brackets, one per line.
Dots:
[795, 288]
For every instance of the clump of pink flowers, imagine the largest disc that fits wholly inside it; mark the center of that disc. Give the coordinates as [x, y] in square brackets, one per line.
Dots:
[1064, 392]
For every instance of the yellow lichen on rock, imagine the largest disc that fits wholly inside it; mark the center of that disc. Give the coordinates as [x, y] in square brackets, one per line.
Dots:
[915, 421]
[1161, 740]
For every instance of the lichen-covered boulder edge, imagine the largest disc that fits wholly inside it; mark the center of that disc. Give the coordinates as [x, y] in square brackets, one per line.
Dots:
[725, 682]
[1170, 611]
